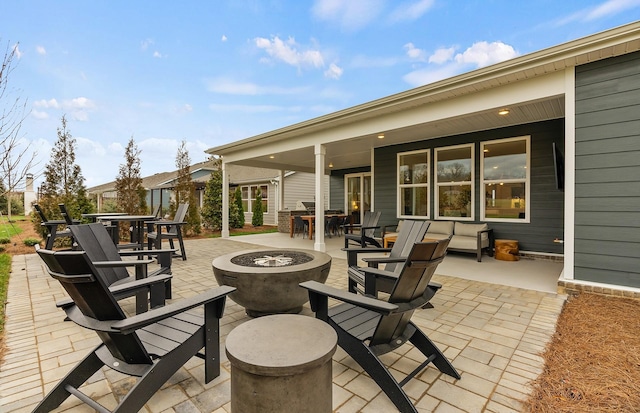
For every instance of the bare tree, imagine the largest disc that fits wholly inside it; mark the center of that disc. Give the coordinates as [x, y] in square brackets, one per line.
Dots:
[16, 157]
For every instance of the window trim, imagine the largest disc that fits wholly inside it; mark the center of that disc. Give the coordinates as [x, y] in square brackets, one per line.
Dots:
[526, 180]
[400, 187]
[437, 184]
[250, 200]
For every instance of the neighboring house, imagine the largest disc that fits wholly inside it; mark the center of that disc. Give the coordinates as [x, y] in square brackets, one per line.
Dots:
[544, 147]
[300, 187]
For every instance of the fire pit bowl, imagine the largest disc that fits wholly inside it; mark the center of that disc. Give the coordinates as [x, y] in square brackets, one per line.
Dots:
[267, 281]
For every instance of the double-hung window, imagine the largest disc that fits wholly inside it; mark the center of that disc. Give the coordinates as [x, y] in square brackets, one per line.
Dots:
[454, 182]
[505, 179]
[413, 184]
[249, 197]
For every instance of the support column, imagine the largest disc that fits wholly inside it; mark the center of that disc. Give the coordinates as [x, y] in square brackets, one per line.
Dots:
[320, 152]
[281, 190]
[225, 201]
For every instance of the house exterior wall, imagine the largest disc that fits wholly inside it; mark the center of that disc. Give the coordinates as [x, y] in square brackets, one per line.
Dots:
[546, 222]
[300, 186]
[607, 176]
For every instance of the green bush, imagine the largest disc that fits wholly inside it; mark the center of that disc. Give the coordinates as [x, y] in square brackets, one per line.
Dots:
[5, 240]
[30, 242]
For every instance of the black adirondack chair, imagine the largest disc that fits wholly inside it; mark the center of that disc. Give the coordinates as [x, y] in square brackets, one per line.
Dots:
[368, 328]
[367, 231]
[105, 256]
[151, 346]
[173, 230]
[53, 228]
[364, 280]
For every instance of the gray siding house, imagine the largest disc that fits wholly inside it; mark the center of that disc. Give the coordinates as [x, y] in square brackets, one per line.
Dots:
[545, 148]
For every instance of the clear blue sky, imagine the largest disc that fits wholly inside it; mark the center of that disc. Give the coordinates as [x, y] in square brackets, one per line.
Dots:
[212, 72]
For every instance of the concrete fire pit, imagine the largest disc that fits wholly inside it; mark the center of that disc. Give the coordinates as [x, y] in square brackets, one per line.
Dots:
[267, 280]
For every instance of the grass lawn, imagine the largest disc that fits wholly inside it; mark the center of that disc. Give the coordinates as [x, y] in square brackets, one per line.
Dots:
[9, 229]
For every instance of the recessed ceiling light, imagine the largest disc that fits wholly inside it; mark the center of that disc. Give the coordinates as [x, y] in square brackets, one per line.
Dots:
[503, 112]
[381, 136]
[330, 164]
[271, 156]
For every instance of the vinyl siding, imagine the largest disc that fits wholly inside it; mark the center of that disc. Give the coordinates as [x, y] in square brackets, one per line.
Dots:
[607, 206]
[547, 202]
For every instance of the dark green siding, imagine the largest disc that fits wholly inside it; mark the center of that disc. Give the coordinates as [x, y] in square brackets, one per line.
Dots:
[607, 211]
[547, 202]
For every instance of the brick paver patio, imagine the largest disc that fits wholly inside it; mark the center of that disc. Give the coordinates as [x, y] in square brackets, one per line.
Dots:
[492, 334]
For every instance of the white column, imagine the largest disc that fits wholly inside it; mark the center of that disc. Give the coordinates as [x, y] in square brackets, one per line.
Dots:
[570, 171]
[225, 201]
[281, 189]
[320, 152]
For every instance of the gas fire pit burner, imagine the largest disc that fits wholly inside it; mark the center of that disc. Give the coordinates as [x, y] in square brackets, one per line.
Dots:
[267, 281]
[277, 259]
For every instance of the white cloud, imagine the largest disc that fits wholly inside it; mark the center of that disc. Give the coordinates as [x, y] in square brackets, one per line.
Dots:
[334, 71]
[442, 55]
[232, 87]
[223, 107]
[430, 75]
[410, 10]
[483, 54]
[351, 15]
[39, 114]
[605, 9]
[413, 52]
[290, 52]
[43, 103]
[223, 38]
[41, 50]
[610, 8]
[79, 103]
[480, 54]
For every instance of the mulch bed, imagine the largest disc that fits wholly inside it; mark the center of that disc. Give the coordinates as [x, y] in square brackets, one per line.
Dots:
[592, 363]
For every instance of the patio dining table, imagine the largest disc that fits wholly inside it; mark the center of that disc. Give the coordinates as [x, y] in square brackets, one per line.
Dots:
[93, 217]
[138, 223]
[310, 219]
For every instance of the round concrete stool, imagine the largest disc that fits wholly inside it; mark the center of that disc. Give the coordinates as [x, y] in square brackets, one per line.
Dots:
[281, 363]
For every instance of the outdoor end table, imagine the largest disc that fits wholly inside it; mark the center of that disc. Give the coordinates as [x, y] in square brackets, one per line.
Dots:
[281, 363]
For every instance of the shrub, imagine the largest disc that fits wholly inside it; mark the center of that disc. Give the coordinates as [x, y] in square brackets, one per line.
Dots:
[30, 242]
[5, 240]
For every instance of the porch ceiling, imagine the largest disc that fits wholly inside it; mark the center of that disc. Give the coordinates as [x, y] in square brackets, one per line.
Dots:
[355, 151]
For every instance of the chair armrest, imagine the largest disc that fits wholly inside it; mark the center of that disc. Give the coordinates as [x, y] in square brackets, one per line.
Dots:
[54, 222]
[146, 252]
[369, 303]
[129, 263]
[136, 322]
[365, 250]
[375, 261]
[386, 227]
[352, 253]
[123, 288]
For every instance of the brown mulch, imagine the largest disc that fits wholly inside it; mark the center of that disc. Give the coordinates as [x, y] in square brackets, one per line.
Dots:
[592, 363]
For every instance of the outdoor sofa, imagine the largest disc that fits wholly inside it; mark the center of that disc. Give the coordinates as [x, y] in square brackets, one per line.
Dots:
[465, 237]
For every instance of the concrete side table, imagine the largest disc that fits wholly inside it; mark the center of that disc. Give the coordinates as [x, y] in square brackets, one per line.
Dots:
[281, 363]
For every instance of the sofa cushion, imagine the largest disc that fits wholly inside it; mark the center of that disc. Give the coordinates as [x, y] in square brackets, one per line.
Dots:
[440, 227]
[459, 242]
[469, 230]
